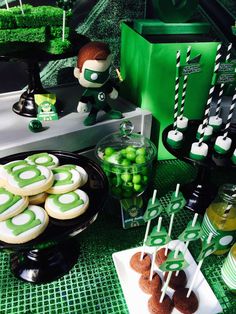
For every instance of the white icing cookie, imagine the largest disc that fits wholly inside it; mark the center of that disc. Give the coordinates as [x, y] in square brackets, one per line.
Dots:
[68, 205]
[38, 198]
[82, 172]
[25, 226]
[10, 167]
[43, 159]
[10, 204]
[29, 180]
[65, 180]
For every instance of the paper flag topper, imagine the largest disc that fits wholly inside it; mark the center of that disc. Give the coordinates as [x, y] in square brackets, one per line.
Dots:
[191, 233]
[153, 210]
[207, 249]
[158, 238]
[176, 203]
[174, 264]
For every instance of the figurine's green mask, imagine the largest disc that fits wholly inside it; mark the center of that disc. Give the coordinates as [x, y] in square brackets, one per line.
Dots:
[96, 77]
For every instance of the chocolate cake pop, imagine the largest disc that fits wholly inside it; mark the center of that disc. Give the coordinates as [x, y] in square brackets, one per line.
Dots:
[150, 286]
[177, 282]
[140, 266]
[155, 307]
[161, 257]
[182, 303]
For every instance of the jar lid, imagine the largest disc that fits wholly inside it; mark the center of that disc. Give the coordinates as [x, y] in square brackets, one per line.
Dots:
[111, 147]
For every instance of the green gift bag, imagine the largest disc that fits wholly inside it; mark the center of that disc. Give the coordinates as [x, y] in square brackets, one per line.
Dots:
[148, 69]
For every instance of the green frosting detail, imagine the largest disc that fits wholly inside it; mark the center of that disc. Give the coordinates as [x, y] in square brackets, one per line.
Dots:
[67, 180]
[205, 137]
[196, 157]
[174, 144]
[47, 163]
[9, 168]
[13, 199]
[220, 150]
[77, 201]
[24, 182]
[30, 224]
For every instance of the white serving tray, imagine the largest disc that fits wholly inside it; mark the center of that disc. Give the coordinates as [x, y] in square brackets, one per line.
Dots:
[137, 300]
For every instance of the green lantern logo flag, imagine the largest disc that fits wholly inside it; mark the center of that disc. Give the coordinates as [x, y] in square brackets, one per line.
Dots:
[176, 204]
[174, 262]
[191, 233]
[158, 238]
[156, 231]
[153, 210]
[153, 200]
[207, 249]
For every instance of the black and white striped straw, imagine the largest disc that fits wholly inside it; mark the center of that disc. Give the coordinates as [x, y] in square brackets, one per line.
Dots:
[184, 85]
[230, 115]
[210, 95]
[221, 91]
[176, 90]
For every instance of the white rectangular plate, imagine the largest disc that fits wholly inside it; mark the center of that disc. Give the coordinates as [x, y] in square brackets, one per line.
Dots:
[137, 300]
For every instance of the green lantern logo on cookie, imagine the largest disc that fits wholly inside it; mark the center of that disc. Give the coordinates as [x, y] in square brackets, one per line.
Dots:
[67, 201]
[15, 165]
[43, 159]
[62, 176]
[28, 175]
[7, 200]
[29, 221]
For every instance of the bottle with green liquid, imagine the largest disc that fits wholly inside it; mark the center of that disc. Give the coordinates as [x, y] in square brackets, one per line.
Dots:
[220, 219]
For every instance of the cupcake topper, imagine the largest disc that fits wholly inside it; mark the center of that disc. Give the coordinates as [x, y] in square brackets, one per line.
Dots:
[153, 210]
[222, 84]
[185, 85]
[174, 262]
[230, 115]
[177, 202]
[176, 90]
[21, 7]
[65, 5]
[7, 5]
[208, 248]
[210, 95]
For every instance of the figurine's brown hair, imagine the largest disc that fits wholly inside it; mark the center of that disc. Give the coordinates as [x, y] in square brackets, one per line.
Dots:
[92, 51]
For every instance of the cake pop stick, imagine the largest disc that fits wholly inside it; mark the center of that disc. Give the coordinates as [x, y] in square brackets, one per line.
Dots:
[7, 5]
[63, 25]
[155, 250]
[223, 143]
[153, 210]
[21, 7]
[199, 266]
[172, 218]
[222, 85]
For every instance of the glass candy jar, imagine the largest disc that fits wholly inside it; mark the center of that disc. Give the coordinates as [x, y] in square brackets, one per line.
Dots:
[220, 219]
[127, 159]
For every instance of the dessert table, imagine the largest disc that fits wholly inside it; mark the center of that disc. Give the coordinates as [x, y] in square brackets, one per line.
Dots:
[92, 286]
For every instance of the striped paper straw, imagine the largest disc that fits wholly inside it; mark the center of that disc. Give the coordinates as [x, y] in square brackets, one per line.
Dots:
[207, 110]
[184, 85]
[176, 90]
[222, 85]
[7, 5]
[230, 115]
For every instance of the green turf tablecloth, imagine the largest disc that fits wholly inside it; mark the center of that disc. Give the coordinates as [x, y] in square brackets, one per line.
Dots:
[92, 286]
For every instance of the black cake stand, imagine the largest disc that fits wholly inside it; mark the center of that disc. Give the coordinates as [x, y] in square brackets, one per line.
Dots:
[200, 193]
[31, 55]
[56, 250]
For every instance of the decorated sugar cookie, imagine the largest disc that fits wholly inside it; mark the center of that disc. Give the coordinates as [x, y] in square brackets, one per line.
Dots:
[2, 179]
[11, 167]
[43, 159]
[68, 205]
[82, 172]
[38, 198]
[10, 204]
[24, 227]
[29, 180]
[65, 180]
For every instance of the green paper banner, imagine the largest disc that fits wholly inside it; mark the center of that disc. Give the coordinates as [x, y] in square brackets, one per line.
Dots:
[191, 233]
[207, 249]
[176, 203]
[158, 238]
[174, 264]
[153, 210]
